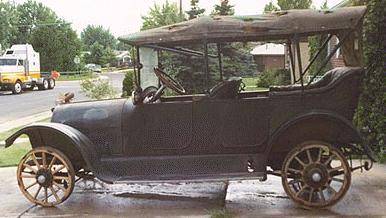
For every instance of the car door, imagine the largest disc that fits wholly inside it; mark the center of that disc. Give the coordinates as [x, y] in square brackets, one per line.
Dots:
[245, 124]
[230, 125]
[157, 129]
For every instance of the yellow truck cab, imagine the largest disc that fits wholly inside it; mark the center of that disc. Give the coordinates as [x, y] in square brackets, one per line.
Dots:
[20, 70]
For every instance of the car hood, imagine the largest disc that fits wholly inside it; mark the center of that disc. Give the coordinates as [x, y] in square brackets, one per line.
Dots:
[90, 115]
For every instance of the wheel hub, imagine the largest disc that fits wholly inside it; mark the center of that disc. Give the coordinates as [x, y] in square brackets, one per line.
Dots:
[316, 175]
[44, 178]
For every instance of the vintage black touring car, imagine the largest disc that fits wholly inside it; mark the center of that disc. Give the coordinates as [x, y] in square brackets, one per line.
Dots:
[301, 132]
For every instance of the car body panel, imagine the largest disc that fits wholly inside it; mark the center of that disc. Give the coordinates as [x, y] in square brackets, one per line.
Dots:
[188, 138]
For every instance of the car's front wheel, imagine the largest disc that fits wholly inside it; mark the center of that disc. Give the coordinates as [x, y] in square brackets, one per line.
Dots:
[316, 175]
[46, 176]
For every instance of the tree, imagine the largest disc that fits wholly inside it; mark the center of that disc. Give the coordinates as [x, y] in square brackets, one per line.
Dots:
[36, 24]
[31, 15]
[224, 8]
[371, 111]
[100, 43]
[8, 22]
[58, 45]
[270, 7]
[162, 15]
[287, 5]
[108, 57]
[121, 46]
[314, 44]
[195, 10]
[97, 34]
[294, 4]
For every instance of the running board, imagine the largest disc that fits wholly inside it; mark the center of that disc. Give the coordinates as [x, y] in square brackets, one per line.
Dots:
[199, 178]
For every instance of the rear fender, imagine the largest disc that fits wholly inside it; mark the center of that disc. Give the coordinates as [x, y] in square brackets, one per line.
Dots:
[318, 125]
[77, 147]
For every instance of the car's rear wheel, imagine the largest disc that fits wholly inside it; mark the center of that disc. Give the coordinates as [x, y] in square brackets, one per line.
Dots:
[17, 88]
[46, 176]
[316, 175]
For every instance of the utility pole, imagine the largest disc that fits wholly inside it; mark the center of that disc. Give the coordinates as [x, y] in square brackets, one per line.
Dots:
[181, 8]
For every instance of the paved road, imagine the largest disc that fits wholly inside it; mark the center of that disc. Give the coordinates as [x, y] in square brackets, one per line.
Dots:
[33, 102]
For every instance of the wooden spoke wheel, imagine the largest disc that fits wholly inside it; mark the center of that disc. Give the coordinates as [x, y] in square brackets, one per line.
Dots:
[46, 176]
[316, 175]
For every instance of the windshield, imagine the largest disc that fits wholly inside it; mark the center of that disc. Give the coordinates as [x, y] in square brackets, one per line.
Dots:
[8, 62]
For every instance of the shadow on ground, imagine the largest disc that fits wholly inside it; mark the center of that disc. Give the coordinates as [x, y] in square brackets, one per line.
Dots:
[366, 197]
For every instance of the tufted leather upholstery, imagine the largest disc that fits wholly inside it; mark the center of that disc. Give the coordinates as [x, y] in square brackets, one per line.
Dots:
[329, 78]
[227, 89]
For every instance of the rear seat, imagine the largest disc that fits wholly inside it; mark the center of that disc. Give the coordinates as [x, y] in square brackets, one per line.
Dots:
[330, 77]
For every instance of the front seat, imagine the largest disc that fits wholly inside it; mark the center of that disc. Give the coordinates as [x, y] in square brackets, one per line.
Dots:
[228, 89]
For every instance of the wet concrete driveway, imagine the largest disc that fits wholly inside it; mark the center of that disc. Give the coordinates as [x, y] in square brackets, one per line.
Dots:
[366, 197]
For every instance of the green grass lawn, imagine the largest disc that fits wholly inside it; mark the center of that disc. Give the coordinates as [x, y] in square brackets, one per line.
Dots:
[76, 77]
[250, 84]
[12, 155]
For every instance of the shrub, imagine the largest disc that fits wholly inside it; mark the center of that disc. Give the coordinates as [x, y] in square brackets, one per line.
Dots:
[128, 83]
[274, 77]
[371, 110]
[98, 89]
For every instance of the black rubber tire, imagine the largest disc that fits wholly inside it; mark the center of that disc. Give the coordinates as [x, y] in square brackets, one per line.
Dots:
[17, 88]
[51, 83]
[44, 86]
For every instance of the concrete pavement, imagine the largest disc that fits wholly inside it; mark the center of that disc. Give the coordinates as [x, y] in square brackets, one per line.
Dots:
[9, 125]
[366, 197]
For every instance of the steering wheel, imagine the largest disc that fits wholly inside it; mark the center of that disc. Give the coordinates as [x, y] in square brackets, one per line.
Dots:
[169, 82]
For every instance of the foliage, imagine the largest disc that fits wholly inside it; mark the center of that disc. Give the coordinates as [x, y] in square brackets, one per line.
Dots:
[128, 84]
[36, 24]
[274, 78]
[98, 89]
[31, 15]
[314, 44]
[294, 4]
[371, 110]
[223, 213]
[58, 45]
[121, 46]
[8, 21]
[162, 15]
[195, 11]
[97, 34]
[237, 60]
[270, 7]
[287, 5]
[100, 43]
[224, 8]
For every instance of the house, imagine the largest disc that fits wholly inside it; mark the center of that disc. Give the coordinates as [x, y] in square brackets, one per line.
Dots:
[123, 58]
[336, 61]
[269, 56]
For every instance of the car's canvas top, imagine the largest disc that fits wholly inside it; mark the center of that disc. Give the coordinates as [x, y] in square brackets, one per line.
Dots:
[272, 26]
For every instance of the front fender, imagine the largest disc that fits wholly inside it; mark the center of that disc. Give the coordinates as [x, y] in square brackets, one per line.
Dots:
[70, 141]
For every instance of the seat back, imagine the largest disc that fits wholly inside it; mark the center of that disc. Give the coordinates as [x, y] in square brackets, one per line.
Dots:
[329, 78]
[227, 89]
